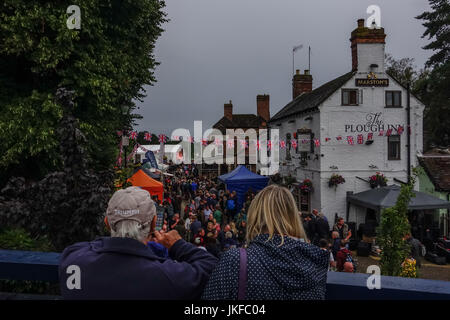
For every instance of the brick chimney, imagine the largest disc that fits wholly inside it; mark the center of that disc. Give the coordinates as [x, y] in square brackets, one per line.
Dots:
[228, 110]
[263, 106]
[301, 83]
[367, 48]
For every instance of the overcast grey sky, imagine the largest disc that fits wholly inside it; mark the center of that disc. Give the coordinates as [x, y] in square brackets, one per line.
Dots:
[213, 51]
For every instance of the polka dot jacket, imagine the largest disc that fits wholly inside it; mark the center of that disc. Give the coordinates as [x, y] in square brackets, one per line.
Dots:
[293, 271]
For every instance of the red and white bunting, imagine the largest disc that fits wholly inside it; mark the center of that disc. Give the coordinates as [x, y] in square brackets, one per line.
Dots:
[131, 155]
[360, 139]
[350, 140]
[317, 142]
[133, 135]
[162, 138]
[389, 132]
[294, 143]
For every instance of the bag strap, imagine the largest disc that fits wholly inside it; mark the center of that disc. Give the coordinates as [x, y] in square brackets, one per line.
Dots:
[242, 274]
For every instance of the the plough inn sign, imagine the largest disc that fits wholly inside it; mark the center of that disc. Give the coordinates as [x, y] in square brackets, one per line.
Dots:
[374, 123]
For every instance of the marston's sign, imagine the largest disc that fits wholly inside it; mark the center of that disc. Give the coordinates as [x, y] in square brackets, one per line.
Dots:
[372, 82]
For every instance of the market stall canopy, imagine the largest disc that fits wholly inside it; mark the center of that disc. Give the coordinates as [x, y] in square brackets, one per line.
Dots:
[386, 197]
[241, 180]
[142, 180]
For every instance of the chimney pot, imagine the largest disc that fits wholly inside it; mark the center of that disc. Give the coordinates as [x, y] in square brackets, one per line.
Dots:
[297, 71]
[228, 110]
[263, 106]
[360, 23]
[301, 83]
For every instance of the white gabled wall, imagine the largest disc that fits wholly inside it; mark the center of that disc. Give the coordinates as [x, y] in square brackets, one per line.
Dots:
[352, 161]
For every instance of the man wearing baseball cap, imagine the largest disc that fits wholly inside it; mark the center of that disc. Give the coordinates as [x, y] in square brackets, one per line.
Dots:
[123, 266]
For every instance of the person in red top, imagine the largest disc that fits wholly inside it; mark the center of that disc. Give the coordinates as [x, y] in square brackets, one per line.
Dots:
[343, 255]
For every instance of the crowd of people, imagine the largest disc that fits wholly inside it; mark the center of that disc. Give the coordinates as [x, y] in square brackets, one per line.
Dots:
[199, 240]
[202, 212]
[334, 242]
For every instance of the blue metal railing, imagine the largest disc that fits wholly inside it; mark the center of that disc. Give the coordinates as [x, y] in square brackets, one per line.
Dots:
[43, 266]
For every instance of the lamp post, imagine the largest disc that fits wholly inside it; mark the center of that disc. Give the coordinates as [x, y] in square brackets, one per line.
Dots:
[125, 140]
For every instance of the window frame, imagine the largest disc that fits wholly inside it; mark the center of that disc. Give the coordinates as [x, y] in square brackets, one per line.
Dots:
[389, 147]
[357, 93]
[392, 93]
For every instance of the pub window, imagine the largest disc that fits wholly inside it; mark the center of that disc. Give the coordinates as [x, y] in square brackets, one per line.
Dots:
[394, 147]
[303, 158]
[350, 97]
[393, 98]
[288, 146]
[304, 202]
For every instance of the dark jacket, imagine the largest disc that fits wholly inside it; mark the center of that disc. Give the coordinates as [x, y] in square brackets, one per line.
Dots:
[416, 249]
[322, 228]
[295, 270]
[310, 229]
[124, 268]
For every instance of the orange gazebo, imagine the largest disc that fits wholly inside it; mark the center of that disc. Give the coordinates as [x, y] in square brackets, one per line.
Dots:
[154, 187]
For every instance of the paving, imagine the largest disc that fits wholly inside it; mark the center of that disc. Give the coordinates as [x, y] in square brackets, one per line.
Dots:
[427, 271]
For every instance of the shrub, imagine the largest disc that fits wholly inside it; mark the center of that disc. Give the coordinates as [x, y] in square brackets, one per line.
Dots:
[19, 239]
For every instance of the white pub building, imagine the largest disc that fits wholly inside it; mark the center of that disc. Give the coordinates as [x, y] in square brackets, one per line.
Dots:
[353, 126]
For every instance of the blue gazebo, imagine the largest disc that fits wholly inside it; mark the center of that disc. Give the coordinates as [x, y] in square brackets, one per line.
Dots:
[241, 180]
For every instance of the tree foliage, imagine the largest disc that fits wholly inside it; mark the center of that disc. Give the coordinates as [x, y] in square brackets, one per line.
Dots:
[107, 62]
[392, 230]
[435, 89]
[67, 205]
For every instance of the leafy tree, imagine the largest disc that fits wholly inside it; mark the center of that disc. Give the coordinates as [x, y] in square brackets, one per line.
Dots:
[436, 87]
[106, 63]
[404, 70]
[392, 230]
[68, 205]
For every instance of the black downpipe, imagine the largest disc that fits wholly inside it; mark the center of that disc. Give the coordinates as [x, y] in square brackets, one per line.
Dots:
[408, 132]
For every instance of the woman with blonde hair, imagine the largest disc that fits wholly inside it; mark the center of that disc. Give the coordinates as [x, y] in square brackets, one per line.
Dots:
[278, 262]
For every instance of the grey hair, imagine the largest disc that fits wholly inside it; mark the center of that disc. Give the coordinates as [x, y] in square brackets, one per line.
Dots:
[131, 229]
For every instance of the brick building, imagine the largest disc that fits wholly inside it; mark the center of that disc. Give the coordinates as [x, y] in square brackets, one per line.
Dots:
[245, 122]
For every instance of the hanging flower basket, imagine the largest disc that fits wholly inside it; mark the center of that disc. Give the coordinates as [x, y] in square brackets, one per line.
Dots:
[378, 180]
[306, 185]
[335, 180]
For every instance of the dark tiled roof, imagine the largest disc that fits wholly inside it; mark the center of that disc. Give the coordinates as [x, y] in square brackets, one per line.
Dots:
[313, 99]
[438, 170]
[240, 121]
